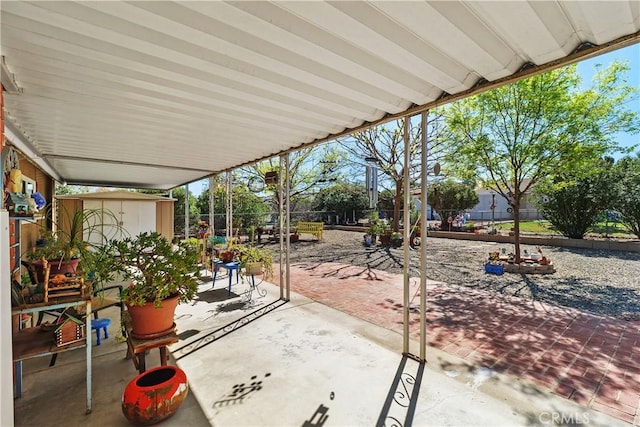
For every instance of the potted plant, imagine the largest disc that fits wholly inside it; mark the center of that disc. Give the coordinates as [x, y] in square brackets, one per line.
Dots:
[256, 260]
[374, 226]
[77, 233]
[229, 251]
[161, 275]
[396, 239]
[384, 232]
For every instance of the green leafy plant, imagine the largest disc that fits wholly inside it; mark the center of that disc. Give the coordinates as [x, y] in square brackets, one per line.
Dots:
[251, 253]
[77, 232]
[384, 228]
[155, 268]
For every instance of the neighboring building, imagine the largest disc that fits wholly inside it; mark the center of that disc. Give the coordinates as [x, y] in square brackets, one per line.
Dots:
[482, 211]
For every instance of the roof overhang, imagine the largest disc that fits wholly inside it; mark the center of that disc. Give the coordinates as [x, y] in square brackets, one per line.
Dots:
[159, 94]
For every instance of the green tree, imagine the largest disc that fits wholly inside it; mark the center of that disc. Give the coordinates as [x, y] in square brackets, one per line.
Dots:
[386, 144]
[248, 208]
[514, 136]
[309, 169]
[342, 199]
[449, 197]
[70, 189]
[178, 209]
[627, 178]
[572, 205]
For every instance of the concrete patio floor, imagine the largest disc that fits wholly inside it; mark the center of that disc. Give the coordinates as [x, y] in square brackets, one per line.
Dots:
[589, 359]
[331, 356]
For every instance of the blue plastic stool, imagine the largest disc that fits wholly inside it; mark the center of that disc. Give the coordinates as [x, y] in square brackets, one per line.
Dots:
[230, 267]
[98, 324]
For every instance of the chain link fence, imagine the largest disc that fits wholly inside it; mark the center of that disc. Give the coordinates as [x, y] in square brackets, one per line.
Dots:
[356, 217]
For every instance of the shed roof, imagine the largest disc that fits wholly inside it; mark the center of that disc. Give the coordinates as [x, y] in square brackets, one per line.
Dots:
[116, 195]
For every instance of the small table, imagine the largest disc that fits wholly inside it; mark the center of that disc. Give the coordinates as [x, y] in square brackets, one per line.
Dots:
[137, 348]
[230, 267]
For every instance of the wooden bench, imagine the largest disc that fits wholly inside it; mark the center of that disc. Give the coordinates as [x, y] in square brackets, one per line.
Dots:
[313, 228]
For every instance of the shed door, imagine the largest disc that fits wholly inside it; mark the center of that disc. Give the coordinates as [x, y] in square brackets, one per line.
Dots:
[138, 217]
[134, 217]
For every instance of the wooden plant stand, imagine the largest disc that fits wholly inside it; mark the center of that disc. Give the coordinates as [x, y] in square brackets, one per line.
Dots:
[137, 348]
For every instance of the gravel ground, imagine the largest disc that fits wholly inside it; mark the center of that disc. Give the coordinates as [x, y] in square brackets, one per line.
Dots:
[600, 282]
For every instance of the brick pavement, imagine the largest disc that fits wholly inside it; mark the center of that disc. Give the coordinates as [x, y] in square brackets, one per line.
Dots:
[592, 360]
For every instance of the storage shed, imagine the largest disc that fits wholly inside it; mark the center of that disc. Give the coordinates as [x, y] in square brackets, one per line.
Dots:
[135, 212]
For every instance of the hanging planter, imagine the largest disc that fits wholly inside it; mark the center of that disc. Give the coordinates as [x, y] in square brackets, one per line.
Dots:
[154, 395]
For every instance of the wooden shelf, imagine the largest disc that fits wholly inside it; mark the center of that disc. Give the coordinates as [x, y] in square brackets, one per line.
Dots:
[53, 304]
[33, 342]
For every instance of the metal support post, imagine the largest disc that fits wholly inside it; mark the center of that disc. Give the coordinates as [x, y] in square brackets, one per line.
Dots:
[287, 184]
[212, 203]
[186, 211]
[281, 224]
[423, 241]
[405, 317]
[229, 205]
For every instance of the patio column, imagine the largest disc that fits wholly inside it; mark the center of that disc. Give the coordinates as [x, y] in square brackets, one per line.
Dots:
[212, 200]
[186, 211]
[229, 205]
[285, 227]
[287, 188]
[423, 238]
[406, 221]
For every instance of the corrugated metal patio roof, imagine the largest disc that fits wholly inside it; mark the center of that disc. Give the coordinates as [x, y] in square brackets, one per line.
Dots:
[159, 94]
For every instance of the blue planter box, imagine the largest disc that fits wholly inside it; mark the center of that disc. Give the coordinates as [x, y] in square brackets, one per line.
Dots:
[494, 269]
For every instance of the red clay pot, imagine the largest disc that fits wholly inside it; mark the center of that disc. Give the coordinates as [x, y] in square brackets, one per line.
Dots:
[147, 321]
[154, 395]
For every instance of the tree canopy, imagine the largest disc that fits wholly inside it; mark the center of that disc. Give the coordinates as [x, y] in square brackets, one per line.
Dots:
[450, 197]
[385, 143]
[573, 205]
[309, 169]
[342, 199]
[627, 180]
[512, 137]
[248, 208]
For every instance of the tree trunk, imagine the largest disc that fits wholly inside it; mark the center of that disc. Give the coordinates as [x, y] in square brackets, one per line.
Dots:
[397, 202]
[516, 230]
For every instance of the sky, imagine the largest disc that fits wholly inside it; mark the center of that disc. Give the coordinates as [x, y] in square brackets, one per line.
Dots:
[586, 69]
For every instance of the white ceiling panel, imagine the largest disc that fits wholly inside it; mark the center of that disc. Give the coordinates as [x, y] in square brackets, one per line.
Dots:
[159, 94]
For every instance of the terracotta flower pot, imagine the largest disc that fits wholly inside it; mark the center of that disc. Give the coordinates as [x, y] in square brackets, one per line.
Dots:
[147, 321]
[154, 395]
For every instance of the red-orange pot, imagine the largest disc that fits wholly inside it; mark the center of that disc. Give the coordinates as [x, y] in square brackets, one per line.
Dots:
[154, 395]
[147, 321]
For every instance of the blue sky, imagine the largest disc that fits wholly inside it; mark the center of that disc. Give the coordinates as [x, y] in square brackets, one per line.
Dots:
[587, 68]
